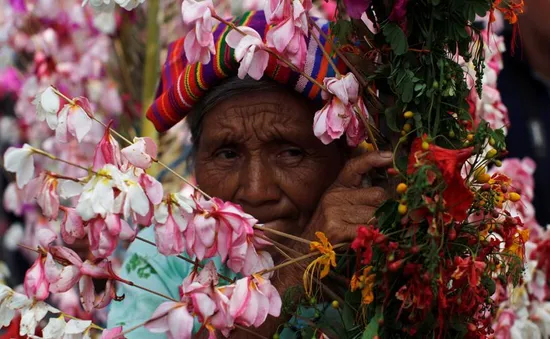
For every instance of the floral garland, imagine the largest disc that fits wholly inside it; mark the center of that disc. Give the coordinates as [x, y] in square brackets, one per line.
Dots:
[431, 266]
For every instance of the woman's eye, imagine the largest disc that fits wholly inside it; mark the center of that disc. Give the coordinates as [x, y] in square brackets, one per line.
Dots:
[292, 152]
[226, 154]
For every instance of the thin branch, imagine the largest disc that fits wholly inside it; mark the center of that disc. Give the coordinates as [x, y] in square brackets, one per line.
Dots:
[53, 157]
[282, 234]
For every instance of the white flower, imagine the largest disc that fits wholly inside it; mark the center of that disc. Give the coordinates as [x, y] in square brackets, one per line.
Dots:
[101, 5]
[55, 328]
[73, 119]
[47, 105]
[13, 236]
[97, 196]
[20, 162]
[129, 4]
[77, 327]
[31, 316]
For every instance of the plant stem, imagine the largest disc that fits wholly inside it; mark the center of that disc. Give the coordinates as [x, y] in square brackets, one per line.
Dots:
[186, 259]
[282, 234]
[53, 157]
[133, 328]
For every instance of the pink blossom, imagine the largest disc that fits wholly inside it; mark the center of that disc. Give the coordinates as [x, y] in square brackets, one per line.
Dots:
[10, 81]
[277, 10]
[252, 300]
[44, 189]
[199, 41]
[289, 40]
[141, 153]
[112, 333]
[36, 285]
[172, 318]
[74, 119]
[72, 226]
[170, 221]
[62, 278]
[248, 51]
[107, 152]
[103, 234]
[337, 116]
[356, 8]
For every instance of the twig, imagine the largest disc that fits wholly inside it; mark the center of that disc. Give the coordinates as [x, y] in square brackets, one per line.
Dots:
[282, 234]
[53, 157]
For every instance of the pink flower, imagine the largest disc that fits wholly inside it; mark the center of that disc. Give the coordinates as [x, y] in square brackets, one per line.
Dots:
[74, 119]
[201, 236]
[36, 285]
[277, 10]
[107, 152]
[289, 40]
[252, 300]
[112, 333]
[337, 116]
[10, 81]
[72, 226]
[141, 153]
[62, 278]
[172, 318]
[154, 192]
[170, 221]
[100, 270]
[44, 189]
[249, 52]
[103, 234]
[199, 41]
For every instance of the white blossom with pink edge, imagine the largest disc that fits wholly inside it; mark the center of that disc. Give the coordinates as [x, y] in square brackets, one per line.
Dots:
[20, 161]
[249, 52]
[199, 41]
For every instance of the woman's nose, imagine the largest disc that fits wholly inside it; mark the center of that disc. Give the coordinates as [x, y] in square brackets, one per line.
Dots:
[257, 184]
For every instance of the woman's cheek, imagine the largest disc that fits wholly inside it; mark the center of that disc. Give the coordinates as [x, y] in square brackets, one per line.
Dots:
[217, 180]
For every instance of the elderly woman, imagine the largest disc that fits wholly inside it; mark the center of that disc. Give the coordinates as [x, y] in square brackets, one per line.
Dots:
[255, 146]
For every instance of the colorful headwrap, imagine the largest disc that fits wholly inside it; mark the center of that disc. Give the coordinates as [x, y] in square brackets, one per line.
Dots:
[182, 84]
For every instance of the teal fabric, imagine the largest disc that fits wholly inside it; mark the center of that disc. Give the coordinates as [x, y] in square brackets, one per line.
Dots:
[146, 267]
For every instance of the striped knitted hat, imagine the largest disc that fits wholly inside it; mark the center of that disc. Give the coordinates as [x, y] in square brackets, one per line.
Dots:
[182, 84]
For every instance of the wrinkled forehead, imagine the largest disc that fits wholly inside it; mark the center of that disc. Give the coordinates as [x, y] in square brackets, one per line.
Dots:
[265, 115]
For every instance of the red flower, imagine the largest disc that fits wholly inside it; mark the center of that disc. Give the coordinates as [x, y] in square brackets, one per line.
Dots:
[458, 198]
[472, 269]
[366, 237]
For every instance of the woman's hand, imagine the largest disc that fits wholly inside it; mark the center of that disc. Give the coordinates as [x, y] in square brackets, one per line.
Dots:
[347, 204]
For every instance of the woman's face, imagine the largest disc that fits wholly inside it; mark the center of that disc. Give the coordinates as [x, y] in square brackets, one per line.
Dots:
[258, 150]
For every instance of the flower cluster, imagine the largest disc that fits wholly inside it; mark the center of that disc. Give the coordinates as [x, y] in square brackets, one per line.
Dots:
[246, 302]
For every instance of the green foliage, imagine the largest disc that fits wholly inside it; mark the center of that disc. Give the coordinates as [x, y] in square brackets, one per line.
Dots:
[140, 265]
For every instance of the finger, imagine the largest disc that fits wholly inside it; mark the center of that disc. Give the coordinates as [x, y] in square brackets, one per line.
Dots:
[367, 196]
[340, 232]
[359, 215]
[352, 173]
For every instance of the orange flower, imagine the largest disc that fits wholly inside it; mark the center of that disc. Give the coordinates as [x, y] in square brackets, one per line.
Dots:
[364, 282]
[320, 266]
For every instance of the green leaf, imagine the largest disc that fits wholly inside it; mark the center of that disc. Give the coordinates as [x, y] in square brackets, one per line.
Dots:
[371, 330]
[408, 90]
[418, 121]
[387, 214]
[342, 30]
[396, 38]
[391, 114]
